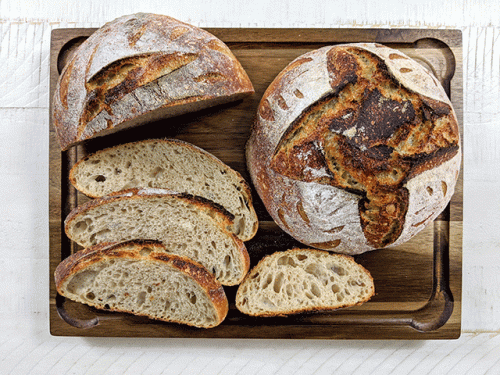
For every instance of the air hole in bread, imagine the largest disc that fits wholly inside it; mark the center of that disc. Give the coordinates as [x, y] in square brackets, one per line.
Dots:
[90, 296]
[286, 261]
[156, 172]
[405, 70]
[192, 298]
[316, 290]
[267, 302]
[338, 270]
[301, 257]
[429, 190]
[278, 282]
[81, 226]
[335, 288]
[313, 269]
[269, 280]
[100, 178]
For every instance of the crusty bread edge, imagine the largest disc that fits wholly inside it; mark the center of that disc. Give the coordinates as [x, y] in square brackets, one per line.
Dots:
[220, 215]
[263, 141]
[257, 267]
[245, 187]
[192, 269]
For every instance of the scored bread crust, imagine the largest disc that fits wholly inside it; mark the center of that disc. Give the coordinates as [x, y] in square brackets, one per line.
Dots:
[291, 174]
[218, 214]
[133, 250]
[264, 292]
[234, 179]
[140, 68]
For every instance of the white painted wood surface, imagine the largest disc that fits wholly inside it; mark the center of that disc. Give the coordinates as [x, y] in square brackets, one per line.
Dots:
[25, 344]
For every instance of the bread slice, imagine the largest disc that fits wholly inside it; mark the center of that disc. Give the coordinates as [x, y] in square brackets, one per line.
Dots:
[187, 225]
[168, 164]
[141, 68]
[139, 277]
[300, 280]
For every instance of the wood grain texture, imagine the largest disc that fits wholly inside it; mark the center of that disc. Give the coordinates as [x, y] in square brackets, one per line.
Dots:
[419, 296]
[26, 346]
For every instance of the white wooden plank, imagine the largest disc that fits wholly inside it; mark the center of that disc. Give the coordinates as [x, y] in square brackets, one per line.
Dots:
[25, 345]
[24, 148]
[261, 13]
[481, 253]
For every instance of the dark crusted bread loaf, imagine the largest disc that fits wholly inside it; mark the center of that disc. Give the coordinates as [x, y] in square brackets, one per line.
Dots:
[140, 68]
[355, 147]
[187, 225]
[300, 280]
[139, 277]
[168, 164]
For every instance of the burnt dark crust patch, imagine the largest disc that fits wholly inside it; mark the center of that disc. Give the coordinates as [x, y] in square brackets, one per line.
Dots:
[368, 136]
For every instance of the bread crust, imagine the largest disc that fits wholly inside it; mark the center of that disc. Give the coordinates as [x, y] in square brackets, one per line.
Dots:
[259, 268]
[244, 187]
[222, 217]
[337, 149]
[140, 68]
[132, 250]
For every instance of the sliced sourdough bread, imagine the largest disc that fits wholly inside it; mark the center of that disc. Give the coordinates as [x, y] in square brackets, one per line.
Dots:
[301, 280]
[168, 164]
[186, 225]
[139, 277]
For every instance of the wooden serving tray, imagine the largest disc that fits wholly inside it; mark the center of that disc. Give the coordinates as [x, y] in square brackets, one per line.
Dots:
[418, 284]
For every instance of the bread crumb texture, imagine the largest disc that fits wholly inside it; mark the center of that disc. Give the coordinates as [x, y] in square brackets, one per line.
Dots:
[133, 279]
[301, 280]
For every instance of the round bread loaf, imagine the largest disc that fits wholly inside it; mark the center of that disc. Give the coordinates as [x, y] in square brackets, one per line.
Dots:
[355, 147]
[141, 68]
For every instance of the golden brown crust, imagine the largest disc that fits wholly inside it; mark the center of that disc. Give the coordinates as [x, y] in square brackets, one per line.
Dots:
[244, 186]
[99, 88]
[220, 214]
[369, 134]
[132, 250]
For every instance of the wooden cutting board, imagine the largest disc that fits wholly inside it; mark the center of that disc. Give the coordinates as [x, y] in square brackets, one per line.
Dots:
[418, 284]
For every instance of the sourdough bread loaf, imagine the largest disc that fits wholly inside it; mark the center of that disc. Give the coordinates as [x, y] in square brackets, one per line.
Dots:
[301, 280]
[140, 68]
[141, 278]
[355, 147]
[186, 225]
[168, 164]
